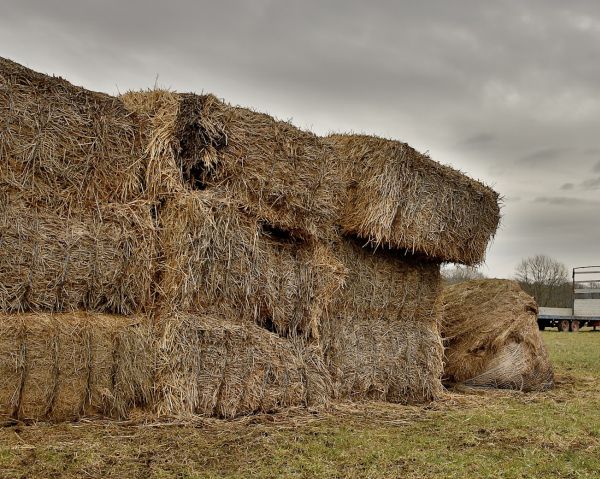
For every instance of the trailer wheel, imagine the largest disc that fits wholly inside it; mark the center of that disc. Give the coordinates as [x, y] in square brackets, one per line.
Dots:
[563, 325]
[575, 326]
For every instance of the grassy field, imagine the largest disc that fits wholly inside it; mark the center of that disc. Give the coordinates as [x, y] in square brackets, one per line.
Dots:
[491, 434]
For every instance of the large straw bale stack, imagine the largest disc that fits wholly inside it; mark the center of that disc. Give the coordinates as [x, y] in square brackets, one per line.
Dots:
[197, 141]
[213, 365]
[65, 144]
[400, 198]
[100, 259]
[216, 255]
[381, 338]
[62, 366]
[492, 338]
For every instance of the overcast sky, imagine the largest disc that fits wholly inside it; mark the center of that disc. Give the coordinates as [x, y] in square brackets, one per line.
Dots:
[506, 91]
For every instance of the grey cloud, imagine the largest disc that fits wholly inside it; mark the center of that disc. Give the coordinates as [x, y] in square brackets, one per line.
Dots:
[564, 201]
[591, 184]
[544, 155]
[596, 168]
[567, 186]
[478, 140]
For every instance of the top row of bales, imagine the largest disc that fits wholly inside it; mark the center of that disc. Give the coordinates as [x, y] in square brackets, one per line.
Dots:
[210, 218]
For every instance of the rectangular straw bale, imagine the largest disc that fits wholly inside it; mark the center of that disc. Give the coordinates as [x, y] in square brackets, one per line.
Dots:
[12, 365]
[63, 366]
[215, 366]
[65, 144]
[217, 255]
[400, 198]
[99, 260]
[285, 174]
[381, 338]
[57, 360]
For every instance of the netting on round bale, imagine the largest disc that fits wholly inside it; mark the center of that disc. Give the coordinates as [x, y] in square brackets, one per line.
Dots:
[200, 142]
[400, 198]
[492, 338]
[213, 365]
[100, 259]
[216, 254]
[381, 338]
[65, 144]
[62, 366]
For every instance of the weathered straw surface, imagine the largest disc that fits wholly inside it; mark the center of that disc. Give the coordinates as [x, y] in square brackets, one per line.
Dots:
[101, 259]
[215, 366]
[158, 113]
[286, 175]
[401, 198]
[218, 256]
[492, 338]
[65, 144]
[62, 366]
[381, 339]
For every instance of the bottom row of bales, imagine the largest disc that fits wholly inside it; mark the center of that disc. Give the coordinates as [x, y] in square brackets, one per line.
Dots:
[65, 365]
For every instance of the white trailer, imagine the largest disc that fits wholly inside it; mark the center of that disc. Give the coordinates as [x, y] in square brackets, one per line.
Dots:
[586, 303]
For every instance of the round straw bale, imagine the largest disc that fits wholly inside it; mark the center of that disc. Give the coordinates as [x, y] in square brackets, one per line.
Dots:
[492, 338]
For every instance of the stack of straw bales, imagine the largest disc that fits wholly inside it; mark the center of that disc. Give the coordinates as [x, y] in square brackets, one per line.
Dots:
[77, 235]
[381, 338]
[492, 338]
[77, 232]
[246, 210]
[402, 215]
[172, 250]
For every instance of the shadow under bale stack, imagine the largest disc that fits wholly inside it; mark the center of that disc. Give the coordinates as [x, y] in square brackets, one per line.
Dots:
[492, 338]
[62, 366]
[403, 215]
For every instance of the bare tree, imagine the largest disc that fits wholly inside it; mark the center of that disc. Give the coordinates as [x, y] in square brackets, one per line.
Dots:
[458, 274]
[546, 279]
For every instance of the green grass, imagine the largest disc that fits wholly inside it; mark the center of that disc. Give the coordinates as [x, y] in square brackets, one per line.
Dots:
[491, 434]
